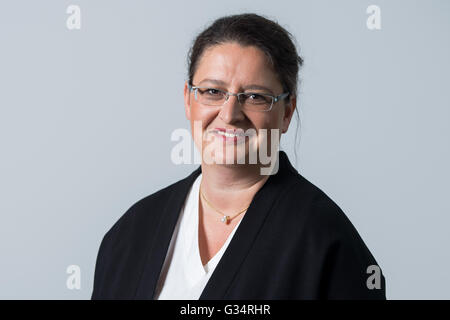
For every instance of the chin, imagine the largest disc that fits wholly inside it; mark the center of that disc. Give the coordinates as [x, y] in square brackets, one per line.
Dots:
[230, 160]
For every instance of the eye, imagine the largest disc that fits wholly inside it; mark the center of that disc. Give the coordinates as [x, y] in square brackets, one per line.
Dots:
[213, 92]
[255, 96]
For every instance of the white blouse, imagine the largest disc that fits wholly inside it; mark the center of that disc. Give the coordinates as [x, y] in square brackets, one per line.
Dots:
[183, 276]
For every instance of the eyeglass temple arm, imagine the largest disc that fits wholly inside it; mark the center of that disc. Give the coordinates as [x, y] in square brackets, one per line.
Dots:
[281, 96]
[190, 89]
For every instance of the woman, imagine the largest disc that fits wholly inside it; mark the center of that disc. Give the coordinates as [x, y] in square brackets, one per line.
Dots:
[229, 231]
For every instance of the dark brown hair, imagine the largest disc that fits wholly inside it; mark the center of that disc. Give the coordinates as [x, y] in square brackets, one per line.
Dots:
[249, 29]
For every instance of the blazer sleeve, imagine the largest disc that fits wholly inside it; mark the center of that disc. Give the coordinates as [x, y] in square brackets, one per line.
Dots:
[349, 273]
[348, 265]
[100, 266]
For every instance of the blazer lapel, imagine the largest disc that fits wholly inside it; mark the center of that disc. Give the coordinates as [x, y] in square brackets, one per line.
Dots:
[159, 244]
[239, 246]
[247, 232]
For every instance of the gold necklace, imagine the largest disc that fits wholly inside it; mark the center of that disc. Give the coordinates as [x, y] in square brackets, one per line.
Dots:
[225, 218]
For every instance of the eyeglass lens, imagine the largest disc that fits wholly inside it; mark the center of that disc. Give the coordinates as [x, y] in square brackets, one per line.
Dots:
[215, 97]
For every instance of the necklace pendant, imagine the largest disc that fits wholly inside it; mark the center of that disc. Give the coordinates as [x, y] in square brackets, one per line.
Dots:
[225, 219]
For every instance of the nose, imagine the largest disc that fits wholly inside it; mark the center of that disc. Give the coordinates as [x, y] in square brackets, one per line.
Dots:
[231, 111]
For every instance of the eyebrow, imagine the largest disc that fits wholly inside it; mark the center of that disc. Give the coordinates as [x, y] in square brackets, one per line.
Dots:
[250, 86]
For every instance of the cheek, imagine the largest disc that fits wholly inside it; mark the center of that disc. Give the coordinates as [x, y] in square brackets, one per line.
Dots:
[204, 115]
[269, 121]
[276, 121]
[201, 118]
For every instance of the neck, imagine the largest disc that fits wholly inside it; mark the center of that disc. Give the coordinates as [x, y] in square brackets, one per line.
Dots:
[231, 188]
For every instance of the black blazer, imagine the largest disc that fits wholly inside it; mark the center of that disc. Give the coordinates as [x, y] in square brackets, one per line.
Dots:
[293, 242]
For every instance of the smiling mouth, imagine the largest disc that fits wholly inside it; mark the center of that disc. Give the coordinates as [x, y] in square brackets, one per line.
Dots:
[229, 134]
[237, 133]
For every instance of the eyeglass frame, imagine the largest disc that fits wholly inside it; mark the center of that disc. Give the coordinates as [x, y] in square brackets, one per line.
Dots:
[275, 99]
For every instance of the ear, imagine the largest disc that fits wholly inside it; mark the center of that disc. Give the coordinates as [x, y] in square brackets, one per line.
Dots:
[187, 101]
[288, 113]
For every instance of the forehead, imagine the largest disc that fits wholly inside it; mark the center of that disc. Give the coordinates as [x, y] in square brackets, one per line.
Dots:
[236, 65]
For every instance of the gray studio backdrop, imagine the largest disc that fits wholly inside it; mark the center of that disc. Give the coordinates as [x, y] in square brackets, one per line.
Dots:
[86, 117]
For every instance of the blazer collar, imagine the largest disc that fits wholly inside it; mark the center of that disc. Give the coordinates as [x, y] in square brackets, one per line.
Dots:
[240, 244]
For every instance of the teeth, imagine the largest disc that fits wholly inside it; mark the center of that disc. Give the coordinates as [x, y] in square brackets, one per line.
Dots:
[230, 135]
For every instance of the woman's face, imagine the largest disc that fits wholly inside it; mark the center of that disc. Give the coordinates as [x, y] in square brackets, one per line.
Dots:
[237, 68]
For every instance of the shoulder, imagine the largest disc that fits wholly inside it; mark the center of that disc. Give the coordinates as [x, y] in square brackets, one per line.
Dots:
[142, 215]
[320, 214]
[334, 240]
[123, 246]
